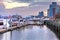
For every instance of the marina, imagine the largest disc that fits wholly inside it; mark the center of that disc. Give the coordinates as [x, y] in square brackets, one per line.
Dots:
[29, 20]
[16, 25]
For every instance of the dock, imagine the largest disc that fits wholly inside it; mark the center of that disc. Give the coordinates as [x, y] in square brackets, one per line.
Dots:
[8, 29]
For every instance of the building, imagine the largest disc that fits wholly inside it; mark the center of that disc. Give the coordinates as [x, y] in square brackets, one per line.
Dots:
[52, 9]
[57, 15]
[41, 14]
[58, 10]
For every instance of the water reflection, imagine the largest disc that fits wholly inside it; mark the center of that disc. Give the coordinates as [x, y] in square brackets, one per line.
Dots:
[6, 36]
[34, 33]
[30, 33]
[1, 36]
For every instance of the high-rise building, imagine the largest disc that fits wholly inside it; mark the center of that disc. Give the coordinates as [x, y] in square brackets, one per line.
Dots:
[57, 15]
[41, 14]
[52, 9]
[58, 9]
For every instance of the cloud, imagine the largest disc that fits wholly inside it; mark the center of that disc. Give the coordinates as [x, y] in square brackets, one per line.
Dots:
[15, 4]
[21, 3]
[24, 0]
[31, 1]
[40, 3]
[8, 0]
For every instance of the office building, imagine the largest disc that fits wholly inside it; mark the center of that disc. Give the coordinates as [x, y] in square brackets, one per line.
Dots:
[41, 14]
[52, 9]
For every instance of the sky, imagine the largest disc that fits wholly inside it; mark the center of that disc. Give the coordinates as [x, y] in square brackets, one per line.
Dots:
[20, 3]
[24, 7]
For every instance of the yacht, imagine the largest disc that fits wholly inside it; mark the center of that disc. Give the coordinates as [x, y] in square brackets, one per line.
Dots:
[2, 25]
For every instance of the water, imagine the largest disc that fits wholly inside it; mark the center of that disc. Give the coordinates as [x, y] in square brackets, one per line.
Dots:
[30, 33]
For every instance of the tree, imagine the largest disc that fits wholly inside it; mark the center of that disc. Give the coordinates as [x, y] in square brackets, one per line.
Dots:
[57, 16]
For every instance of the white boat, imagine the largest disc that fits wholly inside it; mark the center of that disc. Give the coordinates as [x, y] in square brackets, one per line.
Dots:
[14, 21]
[2, 25]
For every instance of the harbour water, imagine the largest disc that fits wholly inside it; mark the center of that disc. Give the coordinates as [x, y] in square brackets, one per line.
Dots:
[30, 33]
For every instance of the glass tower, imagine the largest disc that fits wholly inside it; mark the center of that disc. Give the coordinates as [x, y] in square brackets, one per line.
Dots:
[52, 9]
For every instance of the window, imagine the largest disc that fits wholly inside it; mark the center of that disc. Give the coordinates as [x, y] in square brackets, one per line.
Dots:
[1, 23]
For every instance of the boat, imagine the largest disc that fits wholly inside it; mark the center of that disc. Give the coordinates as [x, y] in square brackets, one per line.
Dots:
[2, 25]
